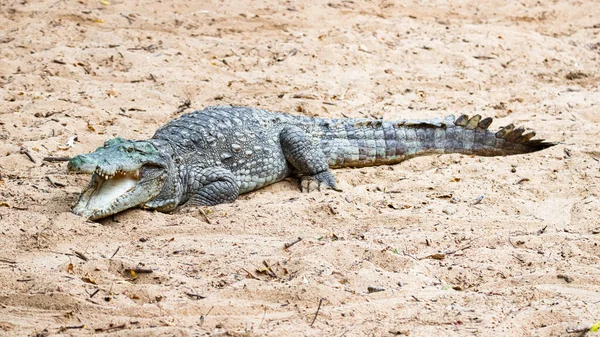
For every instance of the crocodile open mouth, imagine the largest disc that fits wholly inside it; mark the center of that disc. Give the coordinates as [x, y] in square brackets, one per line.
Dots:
[110, 193]
[110, 189]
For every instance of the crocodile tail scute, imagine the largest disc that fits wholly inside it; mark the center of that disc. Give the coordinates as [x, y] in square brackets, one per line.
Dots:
[355, 143]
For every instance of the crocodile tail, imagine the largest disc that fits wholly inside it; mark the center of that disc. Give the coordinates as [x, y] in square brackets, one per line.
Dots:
[363, 142]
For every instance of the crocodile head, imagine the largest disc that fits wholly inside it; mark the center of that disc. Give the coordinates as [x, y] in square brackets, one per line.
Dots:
[125, 174]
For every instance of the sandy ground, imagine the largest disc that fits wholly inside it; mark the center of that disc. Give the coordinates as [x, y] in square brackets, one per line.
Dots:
[522, 262]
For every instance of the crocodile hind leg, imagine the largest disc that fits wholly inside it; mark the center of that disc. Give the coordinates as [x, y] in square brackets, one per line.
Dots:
[307, 158]
[212, 186]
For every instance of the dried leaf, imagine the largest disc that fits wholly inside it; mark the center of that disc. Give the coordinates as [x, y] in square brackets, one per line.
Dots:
[88, 279]
[435, 256]
[70, 268]
[440, 195]
[522, 181]
[262, 270]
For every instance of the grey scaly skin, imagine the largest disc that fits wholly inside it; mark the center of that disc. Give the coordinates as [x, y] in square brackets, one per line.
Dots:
[211, 156]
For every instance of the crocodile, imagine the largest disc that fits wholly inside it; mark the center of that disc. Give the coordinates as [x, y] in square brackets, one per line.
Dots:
[211, 156]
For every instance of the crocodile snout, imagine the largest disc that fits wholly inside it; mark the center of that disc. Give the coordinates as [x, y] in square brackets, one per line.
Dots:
[80, 164]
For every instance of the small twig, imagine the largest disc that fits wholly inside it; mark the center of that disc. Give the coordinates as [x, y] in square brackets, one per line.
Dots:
[25, 280]
[56, 159]
[518, 258]
[186, 104]
[26, 152]
[412, 257]
[55, 183]
[94, 293]
[288, 245]
[92, 301]
[140, 270]
[79, 255]
[75, 327]
[304, 96]
[250, 274]
[116, 251]
[459, 249]
[127, 17]
[272, 273]
[110, 328]
[8, 261]
[203, 212]
[59, 61]
[416, 299]
[51, 182]
[196, 296]
[205, 315]
[317, 313]
[263, 318]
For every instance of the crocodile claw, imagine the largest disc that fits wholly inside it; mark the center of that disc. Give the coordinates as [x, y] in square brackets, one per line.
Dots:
[320, 181]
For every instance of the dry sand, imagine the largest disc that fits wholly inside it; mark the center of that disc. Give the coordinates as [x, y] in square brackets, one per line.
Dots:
[522, 262]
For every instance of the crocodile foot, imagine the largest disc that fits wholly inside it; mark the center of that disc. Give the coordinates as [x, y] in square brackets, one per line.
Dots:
[319, 181]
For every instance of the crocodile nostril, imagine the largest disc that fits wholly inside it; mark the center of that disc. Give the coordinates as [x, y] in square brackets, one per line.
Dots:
[76, 162]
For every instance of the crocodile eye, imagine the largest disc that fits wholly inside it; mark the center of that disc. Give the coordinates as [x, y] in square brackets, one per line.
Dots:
[130, 149]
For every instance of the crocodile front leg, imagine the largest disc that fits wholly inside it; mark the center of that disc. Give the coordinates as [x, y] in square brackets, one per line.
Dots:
[307, 158]
[211, 186]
